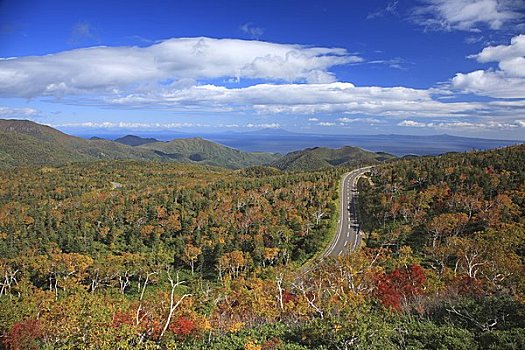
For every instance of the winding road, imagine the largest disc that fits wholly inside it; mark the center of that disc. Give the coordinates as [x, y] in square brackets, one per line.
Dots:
[347, 235]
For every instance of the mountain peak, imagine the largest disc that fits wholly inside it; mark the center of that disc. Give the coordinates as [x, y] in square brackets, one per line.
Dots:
[132, 140]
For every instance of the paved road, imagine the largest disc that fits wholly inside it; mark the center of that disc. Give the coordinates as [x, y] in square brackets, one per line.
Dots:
[347, 235]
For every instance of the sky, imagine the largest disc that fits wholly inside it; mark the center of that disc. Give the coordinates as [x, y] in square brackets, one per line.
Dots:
[333, 67]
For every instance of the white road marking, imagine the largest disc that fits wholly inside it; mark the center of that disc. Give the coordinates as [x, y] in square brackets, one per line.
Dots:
[350, 179]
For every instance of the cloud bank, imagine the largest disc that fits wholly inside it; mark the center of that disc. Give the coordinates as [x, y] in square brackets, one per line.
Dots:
[230, 75]
[113, 69]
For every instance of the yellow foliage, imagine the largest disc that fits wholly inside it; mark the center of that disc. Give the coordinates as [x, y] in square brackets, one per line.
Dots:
[237, 326]
[250, 345]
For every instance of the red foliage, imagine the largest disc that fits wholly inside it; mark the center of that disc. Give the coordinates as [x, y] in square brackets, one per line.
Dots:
[288, 297]
[400, 285]
[182, 326]
[24, 335]
[122, 319]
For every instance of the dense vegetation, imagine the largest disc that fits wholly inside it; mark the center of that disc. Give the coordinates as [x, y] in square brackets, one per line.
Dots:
[105, 231]
[153, 255]
[462, 218]
[321, 157]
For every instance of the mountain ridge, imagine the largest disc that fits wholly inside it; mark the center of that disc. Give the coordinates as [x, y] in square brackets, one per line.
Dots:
[26, 143]
[316, 158]
[133, 140]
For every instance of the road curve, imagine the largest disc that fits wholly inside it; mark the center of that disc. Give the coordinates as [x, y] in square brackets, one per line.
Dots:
[347, 235]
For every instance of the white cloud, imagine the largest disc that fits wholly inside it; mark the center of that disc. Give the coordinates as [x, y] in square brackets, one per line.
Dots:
[263, 126]
[114, 69]
[412, 123]
[161, 126]
[506, 82]
[467, 15]
[303, 99]
[313, 119]
[503, 53]
[490, 124]
[326, 124]
[490, 83]
[128, 125]
[520, 122]
[345, 120]
[9, 112]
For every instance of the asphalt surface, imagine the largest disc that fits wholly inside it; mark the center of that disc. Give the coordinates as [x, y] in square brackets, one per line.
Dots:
[347, 236]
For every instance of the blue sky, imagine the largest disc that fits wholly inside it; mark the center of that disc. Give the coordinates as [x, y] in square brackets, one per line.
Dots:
[352, 67]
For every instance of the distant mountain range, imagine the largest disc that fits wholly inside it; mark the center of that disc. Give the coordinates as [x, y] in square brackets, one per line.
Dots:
[24, 142]
[284, 141]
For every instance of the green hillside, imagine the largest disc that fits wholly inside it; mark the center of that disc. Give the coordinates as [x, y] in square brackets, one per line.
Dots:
[322, 157]
[198, 150]
[132, 140]
[24, 143]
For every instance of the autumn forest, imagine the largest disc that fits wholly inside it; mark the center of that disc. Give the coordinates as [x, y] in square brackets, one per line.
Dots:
[152, 255]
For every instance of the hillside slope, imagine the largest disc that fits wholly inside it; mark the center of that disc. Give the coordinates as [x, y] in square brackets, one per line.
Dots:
[322, 157]
[24, 143]
[202, 151]
[132, 140]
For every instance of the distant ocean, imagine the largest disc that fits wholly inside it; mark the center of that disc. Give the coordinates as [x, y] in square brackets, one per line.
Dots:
[287, 142]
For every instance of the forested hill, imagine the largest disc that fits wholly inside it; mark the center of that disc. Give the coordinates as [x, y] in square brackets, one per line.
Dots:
[206, 152]
[132, 140]
[25, 143]
[322, 157]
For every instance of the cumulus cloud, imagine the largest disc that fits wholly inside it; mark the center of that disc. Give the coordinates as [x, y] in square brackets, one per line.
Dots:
[303, 99]
[9, 112]
[412, 123]
[127, 125]
[177, 74]
[466, 15]
[263, 126]
[160, 126]
[490, 124]
[508, 81]
[520, 122]
[114, 69]
[345, 120]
